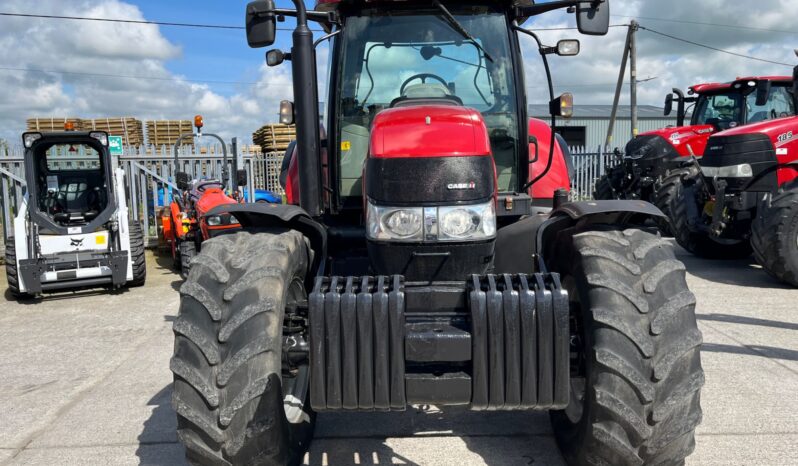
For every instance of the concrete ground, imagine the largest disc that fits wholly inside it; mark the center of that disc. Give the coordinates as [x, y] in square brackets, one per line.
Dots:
[85, 380]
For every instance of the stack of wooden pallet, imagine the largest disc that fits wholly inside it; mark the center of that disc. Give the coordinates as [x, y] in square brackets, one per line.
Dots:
[166, 132]
[53, 124]
[274, 137]
[131, 129]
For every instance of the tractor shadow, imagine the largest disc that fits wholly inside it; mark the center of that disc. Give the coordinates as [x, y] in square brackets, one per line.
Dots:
[425, 435]
[421, 435]
[738, 272]
[157, 443]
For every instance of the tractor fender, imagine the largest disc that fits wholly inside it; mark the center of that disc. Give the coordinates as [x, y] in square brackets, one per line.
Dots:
[523, 246]
[259, 217]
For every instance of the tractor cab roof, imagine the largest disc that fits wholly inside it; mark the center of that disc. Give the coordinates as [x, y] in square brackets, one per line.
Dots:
[709, 88]
[336, 5]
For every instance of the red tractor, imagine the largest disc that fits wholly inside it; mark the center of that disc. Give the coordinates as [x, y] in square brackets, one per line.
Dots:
[742, 195]
[413, 267]
[186, 223]
[717, 107]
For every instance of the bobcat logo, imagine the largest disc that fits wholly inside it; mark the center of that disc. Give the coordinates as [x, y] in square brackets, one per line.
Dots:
[76, 242]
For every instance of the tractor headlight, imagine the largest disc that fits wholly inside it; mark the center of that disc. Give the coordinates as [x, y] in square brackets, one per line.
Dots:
[395, 224]
[220, 220]
[467, 222]
[417, 224]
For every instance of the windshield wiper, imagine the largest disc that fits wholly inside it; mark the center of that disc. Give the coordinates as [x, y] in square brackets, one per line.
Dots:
[460, 29]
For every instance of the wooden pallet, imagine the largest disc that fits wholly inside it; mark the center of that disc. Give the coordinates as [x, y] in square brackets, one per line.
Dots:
[53, 124]
[166, 132]
[274, 137]
[130, 129]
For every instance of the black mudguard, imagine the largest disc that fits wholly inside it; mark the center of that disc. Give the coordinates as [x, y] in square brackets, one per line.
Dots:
[521, 247]
[262, 217]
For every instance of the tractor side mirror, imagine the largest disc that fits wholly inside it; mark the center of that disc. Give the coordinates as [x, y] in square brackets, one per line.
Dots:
[241, 177]
[261, 23]
[762, 92]
[562, 106]
[593, 17]
[183, 181]
[668, 104]
[287, 112]
[276, 57]
[795, 81]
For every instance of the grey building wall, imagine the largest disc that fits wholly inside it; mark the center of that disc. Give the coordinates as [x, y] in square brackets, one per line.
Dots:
[595, 121]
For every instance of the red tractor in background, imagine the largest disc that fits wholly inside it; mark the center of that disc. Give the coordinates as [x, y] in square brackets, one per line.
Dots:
[717, 107]
[185, 224]
[742, 195]
[412, 266]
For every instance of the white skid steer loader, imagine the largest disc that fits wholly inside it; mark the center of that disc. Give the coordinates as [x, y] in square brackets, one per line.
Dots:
[72, 229]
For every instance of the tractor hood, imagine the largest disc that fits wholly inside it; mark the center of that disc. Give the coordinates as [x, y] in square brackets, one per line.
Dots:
[686, 140]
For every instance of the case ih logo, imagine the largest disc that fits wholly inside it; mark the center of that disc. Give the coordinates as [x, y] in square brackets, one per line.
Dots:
[76, 242]
[461, 186]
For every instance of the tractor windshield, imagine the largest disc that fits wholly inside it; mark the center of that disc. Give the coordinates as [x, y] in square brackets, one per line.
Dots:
[388, 58]
[733, 108]
[71, 183]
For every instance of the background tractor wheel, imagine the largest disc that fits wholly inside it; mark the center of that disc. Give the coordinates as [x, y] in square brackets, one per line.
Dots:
[603, 189]
[234, 403]
[775, 236]
[636, 386]
[678, 188]
[187, 251]
[11, 270]
[137, 255]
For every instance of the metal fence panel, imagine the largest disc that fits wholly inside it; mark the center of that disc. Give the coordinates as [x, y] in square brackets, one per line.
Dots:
[150, 171]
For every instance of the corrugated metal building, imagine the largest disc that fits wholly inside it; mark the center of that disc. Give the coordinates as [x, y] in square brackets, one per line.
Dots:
[588, 127]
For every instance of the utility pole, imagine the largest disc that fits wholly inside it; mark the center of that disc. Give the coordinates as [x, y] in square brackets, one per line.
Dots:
[618, 88]
[633, 71]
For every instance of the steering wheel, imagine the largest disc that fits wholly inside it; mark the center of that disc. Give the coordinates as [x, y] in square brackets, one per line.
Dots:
[202, 186]
[423, 77]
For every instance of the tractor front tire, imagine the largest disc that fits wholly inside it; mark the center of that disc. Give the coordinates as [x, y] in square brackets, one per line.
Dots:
[678, 188]
[636, 387]
[187, 252]
[775, 236]
[12, 275]
[227, 363]
[603, 191]
[137, 255]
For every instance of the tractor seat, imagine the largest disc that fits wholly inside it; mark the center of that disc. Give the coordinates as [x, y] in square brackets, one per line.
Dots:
[426, 94]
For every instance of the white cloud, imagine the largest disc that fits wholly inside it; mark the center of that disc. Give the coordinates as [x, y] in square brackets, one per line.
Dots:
[119, 49]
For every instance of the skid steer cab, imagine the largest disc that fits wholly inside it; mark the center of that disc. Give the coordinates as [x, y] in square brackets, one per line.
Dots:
[413, 265]
[188, 221]
[72, 229]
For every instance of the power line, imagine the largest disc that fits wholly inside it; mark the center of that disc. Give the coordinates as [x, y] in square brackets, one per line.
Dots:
[574, 28]
[701, 23]
[697, 44]
[147, 78]
[133, 21]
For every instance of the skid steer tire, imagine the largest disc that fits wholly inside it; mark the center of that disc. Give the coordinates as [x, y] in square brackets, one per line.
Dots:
[678, 188]
[137, 255]
[227, 362]
[12, 274]
[603, 191]
[775, 236]
[635, 393]
[187, 252]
